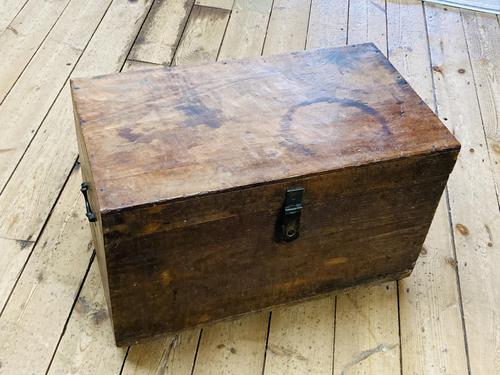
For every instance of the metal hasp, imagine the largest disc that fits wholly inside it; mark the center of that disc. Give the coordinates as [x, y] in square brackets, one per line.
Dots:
[290, 219]
[90, 215]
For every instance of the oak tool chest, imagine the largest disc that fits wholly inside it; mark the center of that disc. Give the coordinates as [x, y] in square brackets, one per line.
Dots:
[217, 190]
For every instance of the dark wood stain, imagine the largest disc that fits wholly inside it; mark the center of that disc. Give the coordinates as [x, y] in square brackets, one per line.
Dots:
[128, 134]
[197, 113]
[188, 168]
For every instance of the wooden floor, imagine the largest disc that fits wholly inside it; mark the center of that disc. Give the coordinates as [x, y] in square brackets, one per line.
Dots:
[444, 319]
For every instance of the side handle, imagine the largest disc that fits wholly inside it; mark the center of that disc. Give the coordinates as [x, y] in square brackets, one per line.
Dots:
[90, 215]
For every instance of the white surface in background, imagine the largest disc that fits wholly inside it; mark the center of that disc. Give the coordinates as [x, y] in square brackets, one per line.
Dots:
[489, 6]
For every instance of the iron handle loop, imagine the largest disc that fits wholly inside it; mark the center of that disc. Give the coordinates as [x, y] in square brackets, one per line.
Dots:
[90, 215]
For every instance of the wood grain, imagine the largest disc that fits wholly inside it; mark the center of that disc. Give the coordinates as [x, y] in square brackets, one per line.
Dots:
[430, 313]
[430, 339]
[10, 9]
[213, 128]
[408, 47]
[246, 29]
[169, 355]
[261, 291]
[161, 33]
[201, 39]
[52, 278]
[327, 24]
[376, 351]
[138, 65]
[432, 335]
[42, 80]
[12, 259]
[20, 40]
[53, 151]
[482, 33]
[287, 26]
[367, 22]
[474, 206]
[84, 345]
[301, 338]
[234, 347]
[393, 149]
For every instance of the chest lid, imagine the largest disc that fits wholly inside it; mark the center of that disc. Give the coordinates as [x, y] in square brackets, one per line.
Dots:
[163, 134]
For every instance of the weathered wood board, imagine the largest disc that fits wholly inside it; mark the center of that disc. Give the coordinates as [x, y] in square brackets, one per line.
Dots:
[216, 169]
[445, 322]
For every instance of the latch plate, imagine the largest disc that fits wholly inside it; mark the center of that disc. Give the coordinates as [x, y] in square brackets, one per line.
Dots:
[290, 215]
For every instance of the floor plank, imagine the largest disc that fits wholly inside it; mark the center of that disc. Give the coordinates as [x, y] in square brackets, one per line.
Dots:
[20, 40]
[301, 338]
[169, 355]
[35, 92]
[12, 259]
[83, 348]
[482, 32]
[221, 4]
[42, 80]
[408, 48]
[328, 23]
[162, 31]
[53, 151]
[203, 35]
[366, 331]
[10, 9]
[246, 29]
[367, 326]
[432, 338]
[234, 347]
[367, 23]
[287, 29]
[34, 318]
[472, 195]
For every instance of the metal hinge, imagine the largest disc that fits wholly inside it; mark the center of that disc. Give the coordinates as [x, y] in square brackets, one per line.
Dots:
[290, 215]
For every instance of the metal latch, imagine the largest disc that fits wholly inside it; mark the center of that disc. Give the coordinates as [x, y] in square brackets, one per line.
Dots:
[90, 215]
[290, 216]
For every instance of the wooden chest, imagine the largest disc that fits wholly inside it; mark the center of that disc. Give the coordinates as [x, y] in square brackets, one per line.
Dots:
[221, 189]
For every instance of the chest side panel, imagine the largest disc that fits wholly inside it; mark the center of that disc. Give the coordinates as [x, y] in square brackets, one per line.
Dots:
[95, 227]
[357, 224]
